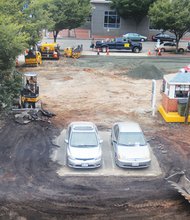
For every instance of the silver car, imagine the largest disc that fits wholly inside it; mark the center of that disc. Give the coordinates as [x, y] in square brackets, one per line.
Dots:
[135, 37]
[83, 145]
[169, 47]
[130, 147]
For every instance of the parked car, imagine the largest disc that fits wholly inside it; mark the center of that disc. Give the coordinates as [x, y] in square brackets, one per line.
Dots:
[83, 145]
[120, 43]
[163, 37]
[131, 149]
[135, 37]
[169, 47]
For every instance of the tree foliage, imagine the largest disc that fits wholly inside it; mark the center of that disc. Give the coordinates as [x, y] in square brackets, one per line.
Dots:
[21, 23]
[68, 14]
[35, 18]
[12, 43]
[171, 15]
[136, 9]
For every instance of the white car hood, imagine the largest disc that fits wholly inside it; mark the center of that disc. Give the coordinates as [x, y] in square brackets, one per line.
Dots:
[134, 152]
[84, 153]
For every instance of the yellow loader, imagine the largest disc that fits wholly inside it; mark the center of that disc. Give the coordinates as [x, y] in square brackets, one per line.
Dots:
[33, 58]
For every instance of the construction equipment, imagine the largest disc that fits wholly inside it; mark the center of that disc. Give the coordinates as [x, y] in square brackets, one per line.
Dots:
[73, 52]
[33, 58]
[49, 51]
[29, 97]
[180, 182]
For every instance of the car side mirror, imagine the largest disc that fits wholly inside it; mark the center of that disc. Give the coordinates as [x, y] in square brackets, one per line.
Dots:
[114, 141]
[101, 141]
[66, 141]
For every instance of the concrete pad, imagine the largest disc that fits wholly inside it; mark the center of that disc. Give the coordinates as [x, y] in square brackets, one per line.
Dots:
[108, 168]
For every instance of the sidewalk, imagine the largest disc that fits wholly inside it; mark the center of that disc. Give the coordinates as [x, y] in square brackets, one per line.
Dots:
[80, 33]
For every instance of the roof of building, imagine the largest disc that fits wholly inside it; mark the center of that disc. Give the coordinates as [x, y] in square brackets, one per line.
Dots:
[178, 78]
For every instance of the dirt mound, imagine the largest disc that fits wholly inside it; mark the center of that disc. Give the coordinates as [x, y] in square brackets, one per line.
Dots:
[146, 71]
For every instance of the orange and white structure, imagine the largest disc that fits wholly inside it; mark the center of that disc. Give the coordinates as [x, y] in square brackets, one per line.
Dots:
[107, 51]
[98, 51]
[159, 52]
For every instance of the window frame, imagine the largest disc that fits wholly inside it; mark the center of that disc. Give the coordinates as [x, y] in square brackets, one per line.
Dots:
[111, 14]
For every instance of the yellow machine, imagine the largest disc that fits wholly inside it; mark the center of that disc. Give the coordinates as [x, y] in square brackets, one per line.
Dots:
[33, 58]
[30, 91]
[74, 52]
[49, 51]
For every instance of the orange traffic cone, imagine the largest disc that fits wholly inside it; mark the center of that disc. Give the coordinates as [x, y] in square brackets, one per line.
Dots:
[108, 51]
[149, 53]
[98, 51]
[159, 52]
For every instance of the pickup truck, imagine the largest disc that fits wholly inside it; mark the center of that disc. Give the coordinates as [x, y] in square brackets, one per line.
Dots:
[120, 43]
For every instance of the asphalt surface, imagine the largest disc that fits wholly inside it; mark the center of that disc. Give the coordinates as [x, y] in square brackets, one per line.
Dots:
[72, 42]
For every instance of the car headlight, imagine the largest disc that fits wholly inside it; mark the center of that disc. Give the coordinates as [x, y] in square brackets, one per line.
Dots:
[70, 156]
[98, 157]
[119, 156]
[147, 158]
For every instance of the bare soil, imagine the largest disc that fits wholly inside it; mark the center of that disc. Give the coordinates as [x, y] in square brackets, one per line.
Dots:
[96, 89]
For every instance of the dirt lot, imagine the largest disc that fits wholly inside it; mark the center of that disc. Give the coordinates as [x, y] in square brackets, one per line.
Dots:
[96, 89]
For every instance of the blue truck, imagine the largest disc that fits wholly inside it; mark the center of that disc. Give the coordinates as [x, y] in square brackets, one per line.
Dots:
[120, 43]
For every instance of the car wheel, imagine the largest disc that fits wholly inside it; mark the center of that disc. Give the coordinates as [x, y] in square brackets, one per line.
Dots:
[142, 39]
[104, 49]
[136, 50]
[181, 50]
[162, 50]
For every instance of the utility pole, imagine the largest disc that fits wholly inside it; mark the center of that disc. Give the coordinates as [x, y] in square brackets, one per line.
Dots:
[153, 98]
[187, 109]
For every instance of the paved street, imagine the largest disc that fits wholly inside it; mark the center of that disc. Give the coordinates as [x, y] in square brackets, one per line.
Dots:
[73, 42]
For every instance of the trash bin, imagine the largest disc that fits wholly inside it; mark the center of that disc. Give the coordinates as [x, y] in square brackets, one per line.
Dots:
[182, 106]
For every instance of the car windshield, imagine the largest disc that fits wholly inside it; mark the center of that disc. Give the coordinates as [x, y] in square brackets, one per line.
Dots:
[131, 138]
[83, 139]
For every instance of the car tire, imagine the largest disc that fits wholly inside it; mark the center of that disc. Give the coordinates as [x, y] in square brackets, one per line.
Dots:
[104, 49]
[142, 39]
[136, 50]
[162, 50]
[181, 50]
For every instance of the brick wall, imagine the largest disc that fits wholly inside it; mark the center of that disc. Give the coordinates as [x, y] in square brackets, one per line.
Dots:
[169, 105]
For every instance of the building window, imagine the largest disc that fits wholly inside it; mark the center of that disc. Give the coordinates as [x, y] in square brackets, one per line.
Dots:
[182, 91]
[111, 19]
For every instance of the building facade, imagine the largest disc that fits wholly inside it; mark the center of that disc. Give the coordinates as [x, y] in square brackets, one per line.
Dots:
[106, 22]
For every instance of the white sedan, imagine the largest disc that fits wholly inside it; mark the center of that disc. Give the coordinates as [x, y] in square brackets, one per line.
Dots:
[83, 145]
[131, 149]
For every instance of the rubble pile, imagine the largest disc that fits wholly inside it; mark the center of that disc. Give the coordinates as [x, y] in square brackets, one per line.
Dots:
[27, 116]
[146, 71]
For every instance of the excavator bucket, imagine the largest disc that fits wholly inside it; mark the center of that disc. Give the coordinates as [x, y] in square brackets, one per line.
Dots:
[181, 183]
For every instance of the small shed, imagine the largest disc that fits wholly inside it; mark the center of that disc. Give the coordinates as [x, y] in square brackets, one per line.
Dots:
[175, 91]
